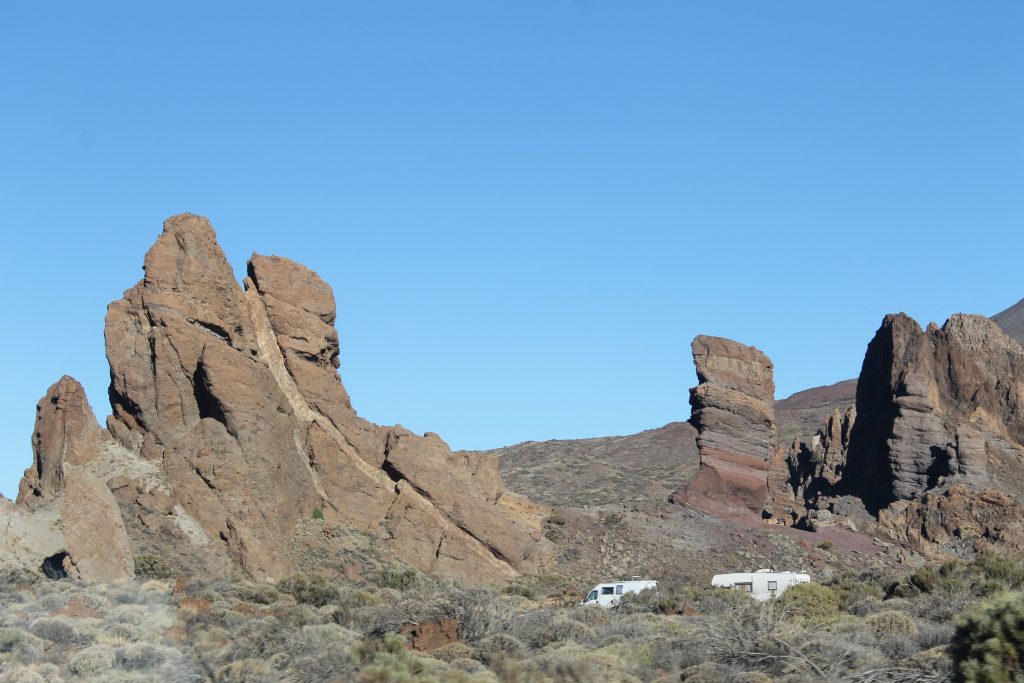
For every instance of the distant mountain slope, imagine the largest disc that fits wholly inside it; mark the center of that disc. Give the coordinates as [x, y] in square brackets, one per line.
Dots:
[641, 467]
[803, 413]
[1012, 321]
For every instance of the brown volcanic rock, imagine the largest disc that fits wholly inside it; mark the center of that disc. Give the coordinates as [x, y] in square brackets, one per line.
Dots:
[97, 541]
[235, 397]
[940, 521]
[65, 432]
[934, 407]
[733, 410]
[811, 470]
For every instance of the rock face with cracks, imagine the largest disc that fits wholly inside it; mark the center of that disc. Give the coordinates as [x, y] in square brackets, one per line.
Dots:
[65, 432]
[228, 407]
[733, 410]
[934, 407]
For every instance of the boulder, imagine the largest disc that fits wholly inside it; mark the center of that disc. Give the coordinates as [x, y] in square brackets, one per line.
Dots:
[95, 537]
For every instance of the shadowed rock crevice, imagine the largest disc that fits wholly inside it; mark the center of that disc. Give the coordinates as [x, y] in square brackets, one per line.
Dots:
[206, 402]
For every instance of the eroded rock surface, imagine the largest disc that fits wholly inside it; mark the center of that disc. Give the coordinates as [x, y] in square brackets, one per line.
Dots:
[65, 432]
[934, 406]
[948, 520]
[733, 410]
[95, 537]
[230, 425]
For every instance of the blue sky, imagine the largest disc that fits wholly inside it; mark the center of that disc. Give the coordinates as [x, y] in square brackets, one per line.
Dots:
[526, 209]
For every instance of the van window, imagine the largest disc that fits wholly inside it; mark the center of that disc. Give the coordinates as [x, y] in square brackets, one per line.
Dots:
[607, 590]
[618, 589]
[591, 597]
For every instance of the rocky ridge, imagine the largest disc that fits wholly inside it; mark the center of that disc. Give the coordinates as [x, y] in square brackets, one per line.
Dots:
[933, 448]
[230, 425]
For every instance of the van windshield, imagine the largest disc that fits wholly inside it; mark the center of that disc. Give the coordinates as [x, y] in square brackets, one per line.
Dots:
[591, 597]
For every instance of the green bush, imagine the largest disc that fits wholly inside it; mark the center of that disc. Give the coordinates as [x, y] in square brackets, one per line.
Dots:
[397, 575]
[891, 623]
[556, 519]
[988, 646]
[318, 513]
[152, 567]
[314, 590]
[811, 602]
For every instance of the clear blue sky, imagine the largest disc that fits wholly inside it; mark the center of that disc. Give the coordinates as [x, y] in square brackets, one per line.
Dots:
[526, 209]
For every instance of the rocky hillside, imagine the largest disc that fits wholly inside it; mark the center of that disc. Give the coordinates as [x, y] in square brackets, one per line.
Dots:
[602, 471]
[1012, 321]
[230, 426]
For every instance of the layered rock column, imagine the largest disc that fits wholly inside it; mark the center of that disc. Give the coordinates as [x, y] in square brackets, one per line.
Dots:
[733, 411]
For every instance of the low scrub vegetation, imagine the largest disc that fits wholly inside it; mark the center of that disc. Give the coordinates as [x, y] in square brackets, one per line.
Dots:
[955, 621]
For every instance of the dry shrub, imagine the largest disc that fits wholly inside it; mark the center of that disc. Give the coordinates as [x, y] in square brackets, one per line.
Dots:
[321, 653]
[309, 590]
[92, 661]
[398, 576]
[891, 623]
[22, 675]
[247, 671]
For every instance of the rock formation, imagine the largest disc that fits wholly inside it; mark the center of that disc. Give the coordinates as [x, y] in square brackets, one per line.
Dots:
[230, 425]
[85, 526]
[810, 469]
[934, 448]
[946, 521]
[733, 411]
[933, 407]
[65, 432]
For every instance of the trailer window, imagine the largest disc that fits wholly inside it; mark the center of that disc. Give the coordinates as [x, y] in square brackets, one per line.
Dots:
[618, 589]
[773, 585]
[743, 587]
[607, 590]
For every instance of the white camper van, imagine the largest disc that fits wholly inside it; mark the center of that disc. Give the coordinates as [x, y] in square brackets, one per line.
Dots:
[608, 594]
[763, 584]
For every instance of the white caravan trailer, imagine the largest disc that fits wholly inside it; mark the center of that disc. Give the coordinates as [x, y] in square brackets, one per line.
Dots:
[762, 584]
[608, 594]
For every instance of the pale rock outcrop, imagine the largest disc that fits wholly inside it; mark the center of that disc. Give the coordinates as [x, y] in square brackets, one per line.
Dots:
[733, 410]
[95, 537]
[29, 537]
